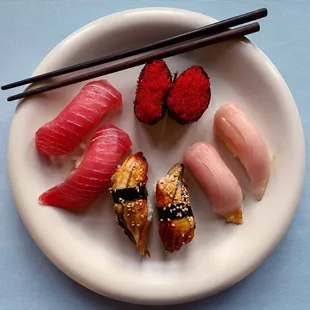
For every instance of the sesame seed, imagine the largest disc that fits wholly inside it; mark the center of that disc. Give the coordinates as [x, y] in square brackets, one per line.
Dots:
[173, 225]
[142, 216]
[161, 220]
[168, 219]
[138, 225]
[164, 208]
[132, 225]
[183, 235]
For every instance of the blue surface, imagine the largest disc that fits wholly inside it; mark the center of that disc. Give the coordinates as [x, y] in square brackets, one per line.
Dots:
[28, 30]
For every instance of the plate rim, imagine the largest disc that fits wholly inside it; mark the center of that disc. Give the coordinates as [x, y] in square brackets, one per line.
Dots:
[44, 64]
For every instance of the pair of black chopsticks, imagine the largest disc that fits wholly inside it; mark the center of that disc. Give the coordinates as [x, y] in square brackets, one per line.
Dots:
[201, 37]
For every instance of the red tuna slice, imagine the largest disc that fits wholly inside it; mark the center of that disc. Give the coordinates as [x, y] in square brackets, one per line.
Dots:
[189, 95]
[64, 133]
[153, 84]
[84, 185]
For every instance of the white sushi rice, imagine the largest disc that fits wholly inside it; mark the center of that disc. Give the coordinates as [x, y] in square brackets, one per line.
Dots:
[78, 159]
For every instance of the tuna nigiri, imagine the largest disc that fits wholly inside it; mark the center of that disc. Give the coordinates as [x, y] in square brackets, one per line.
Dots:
[66, 131]
[218, 182]
[243, 139]
[92, 175]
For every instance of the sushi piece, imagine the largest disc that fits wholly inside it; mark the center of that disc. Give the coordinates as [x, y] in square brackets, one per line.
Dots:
[242, 138]
[176, 220]
[129, 193]
[217, 181]
[189, 95]
[92, 175]
[153, 84]
[66, 131]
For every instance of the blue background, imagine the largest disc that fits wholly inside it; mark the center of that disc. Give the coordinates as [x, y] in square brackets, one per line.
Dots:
[28, 30]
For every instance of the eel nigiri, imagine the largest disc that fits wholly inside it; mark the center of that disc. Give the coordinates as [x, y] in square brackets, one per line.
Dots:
[66, 131]
[176, 220]
[93, 173]
[189, 95]
[153, 84]
[129, 193]
[242, 138]
[218, 182]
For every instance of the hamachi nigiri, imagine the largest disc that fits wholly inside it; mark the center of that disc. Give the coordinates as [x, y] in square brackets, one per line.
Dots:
[84, 185]
[66, 131]
[217, 181]
[234, 128]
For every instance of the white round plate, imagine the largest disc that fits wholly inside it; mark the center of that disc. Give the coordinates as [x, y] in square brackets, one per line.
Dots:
[90, 247]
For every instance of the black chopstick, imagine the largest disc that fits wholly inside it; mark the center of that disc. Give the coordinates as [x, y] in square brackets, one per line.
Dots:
[202, 31]
[163, 53]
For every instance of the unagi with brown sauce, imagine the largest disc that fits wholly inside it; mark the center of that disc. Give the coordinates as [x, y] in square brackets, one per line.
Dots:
[176, 220]
[130, 196]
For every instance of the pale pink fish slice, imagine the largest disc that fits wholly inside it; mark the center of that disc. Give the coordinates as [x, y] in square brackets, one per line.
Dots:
[92, 176]
[242, 138]
[217, 181]
[66, 131]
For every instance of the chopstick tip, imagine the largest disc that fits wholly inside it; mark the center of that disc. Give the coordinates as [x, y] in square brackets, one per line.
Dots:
[263, 12]
[11, 98]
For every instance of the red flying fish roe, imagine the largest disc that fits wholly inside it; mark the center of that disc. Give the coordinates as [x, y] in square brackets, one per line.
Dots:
[189, 95]
[153, 84]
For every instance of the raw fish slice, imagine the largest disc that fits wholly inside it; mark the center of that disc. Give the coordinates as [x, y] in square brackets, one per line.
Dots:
[242, 138]
[133, 212]
[84, 185]
[64, 133]
[218, 182]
